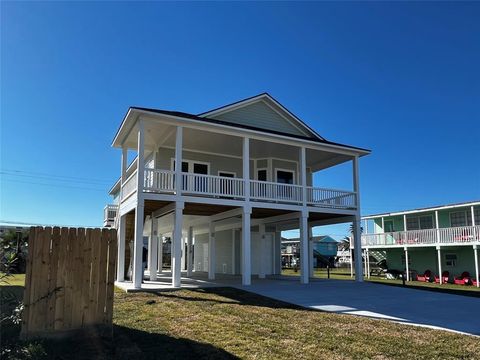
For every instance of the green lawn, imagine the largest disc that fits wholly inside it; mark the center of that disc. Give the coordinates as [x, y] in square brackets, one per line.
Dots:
[13, 280]
[225, 323]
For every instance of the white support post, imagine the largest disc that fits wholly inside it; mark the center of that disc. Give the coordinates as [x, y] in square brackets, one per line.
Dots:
[211, 251]
[189, 251]
[124, 165]
[357, 230]
[310, 252]
[303, 174]
[368, 263]
[139, 211]
[233, 251]
[439, 255]
[138, 247]
[351, 259]
[383, 225]
[304, 247]
[365, 226]
[246, 247]
[246, 168]
[177, 244]
[121, 249]
[153, 249]
[178, 161]
[475, 253]
[438, 232]
[364, 258]
[474, 228]
[261, 274]
[407, 268]
[160, 253]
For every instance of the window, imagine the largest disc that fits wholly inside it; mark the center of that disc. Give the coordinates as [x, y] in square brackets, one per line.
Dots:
[451, 260]
[227, 174]
[476, 215]
[420, 222]
[458, 218]
[388, 225]
[262, 174]
[284, 177]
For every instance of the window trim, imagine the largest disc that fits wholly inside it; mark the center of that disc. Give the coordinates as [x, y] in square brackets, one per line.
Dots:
[455, 261]
[261, 169]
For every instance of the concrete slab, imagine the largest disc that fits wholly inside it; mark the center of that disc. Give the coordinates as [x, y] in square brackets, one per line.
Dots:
[416, 307]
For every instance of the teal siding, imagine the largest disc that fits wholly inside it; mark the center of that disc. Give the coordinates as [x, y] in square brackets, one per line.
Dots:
[261, 116]
[422, 259]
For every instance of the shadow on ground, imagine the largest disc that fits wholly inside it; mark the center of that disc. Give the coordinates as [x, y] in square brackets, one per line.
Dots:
[232, 295]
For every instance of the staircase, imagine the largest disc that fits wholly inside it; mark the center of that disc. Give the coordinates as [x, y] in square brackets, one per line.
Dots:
[379, 255]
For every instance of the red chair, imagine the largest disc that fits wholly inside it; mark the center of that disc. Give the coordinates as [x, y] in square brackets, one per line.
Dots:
[475, 282]
[426, 277]
[445, 277]
[463, 279]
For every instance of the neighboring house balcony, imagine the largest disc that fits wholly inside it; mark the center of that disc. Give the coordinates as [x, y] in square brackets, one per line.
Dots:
[109, 215]
[462, 235]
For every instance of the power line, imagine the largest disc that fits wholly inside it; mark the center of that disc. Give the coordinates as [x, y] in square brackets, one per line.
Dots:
[55, 176]
[54, 185]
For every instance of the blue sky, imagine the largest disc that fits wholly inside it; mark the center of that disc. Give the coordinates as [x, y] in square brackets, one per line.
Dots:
[402, 79]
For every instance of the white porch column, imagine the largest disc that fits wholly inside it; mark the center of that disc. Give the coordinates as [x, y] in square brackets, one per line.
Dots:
[438, 230]
[138, 246]
[310, 252]
[383, 225]
[439, 256]
[160, 253]
[364, 257]
[211, 251]
[190, 251]
[366, 225]
[246, 167]
[407, 268]
[475, 253]
[357, 230]
[368, 263]
[304, 247]
[474, 224]
[261, 273]
[121, 248]
[351, 258]
[233, 251]
[153, 249]
[246, 247]
[139, 211]
[123, 174]
[177, 244]
[178, 161]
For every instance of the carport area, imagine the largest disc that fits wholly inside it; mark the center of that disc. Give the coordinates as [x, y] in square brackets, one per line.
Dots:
[416, 307]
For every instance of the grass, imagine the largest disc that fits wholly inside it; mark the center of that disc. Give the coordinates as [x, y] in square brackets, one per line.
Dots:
[344, 274]
[226, 323]
[14, 280]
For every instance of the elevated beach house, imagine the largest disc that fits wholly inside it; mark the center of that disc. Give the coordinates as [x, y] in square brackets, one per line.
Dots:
[222, 185]
[441, 240]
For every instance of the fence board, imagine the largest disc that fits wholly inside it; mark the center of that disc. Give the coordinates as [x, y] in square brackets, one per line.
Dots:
[69, 279]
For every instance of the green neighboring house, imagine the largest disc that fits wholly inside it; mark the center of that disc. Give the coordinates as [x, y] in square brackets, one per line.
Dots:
[439, 239]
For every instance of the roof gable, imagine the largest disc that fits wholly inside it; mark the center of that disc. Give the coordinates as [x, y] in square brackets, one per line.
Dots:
[264, 112]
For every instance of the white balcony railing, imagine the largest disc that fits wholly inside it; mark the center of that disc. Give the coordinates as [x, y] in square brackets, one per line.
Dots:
[163, 181]
[331, 198]
[462, 234]
[271, 191]
[159, 180]
[130, 185]
[212, 185]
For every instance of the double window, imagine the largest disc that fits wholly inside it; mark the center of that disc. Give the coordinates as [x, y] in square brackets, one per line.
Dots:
[420, 222]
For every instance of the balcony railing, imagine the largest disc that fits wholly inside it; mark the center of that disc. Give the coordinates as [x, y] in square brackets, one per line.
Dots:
[109, 214]
[455, 235]
[163, 181]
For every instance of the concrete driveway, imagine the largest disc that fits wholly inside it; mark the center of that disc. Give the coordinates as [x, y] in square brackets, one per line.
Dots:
[416, 307]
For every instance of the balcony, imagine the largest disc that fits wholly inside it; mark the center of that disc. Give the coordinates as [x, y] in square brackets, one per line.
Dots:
[443, 236]
[109, 214]
[163, 182]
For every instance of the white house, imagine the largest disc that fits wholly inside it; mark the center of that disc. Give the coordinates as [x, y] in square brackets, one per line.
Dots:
[246, 175]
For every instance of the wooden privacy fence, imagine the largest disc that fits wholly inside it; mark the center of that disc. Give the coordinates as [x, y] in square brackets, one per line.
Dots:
[69, 279]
